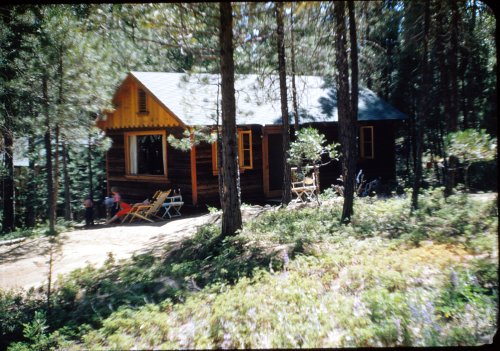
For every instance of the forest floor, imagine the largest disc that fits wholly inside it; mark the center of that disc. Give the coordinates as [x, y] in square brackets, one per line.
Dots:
[26, 264]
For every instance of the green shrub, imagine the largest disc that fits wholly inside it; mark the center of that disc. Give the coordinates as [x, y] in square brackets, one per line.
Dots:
[292, 278]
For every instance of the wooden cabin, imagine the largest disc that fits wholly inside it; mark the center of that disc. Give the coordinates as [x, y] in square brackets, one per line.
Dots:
[150, 106]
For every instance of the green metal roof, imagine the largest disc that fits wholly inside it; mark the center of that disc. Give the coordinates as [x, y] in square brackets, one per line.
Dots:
[194, 98]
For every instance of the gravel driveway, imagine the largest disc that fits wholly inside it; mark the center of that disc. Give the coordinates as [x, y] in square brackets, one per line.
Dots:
[25, 264]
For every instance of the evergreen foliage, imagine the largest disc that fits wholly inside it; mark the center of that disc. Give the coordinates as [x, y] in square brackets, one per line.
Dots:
[83, 51]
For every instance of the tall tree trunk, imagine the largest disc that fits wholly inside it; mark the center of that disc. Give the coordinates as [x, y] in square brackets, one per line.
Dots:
[67, 192]
[30, 218]
[51, 213]
[445, 60]
[60, 102]
[452, 124]
[294, 72]
[453, 56]
[347, 121]
[287, 185]
[423, 109]
[7, 96]
[471, 74]
[8, 218]
[56, 168]
[90, 171]
[351, 125]
[220, 179]
[231, 212]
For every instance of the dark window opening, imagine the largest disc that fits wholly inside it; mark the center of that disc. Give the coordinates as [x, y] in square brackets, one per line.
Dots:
[146, 154]
[143, 107]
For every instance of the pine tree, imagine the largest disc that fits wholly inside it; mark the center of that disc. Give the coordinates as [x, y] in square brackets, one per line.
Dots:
[231, 212]
[347, 100]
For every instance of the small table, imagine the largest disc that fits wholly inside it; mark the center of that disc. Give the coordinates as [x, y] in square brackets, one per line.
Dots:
[172, 203]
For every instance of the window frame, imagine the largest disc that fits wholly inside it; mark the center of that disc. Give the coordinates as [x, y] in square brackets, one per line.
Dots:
[242, 168]
[130, 175]
[241, 149]
[363, 142]
[215, 154]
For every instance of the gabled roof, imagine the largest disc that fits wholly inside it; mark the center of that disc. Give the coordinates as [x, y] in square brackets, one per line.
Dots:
[195, 98]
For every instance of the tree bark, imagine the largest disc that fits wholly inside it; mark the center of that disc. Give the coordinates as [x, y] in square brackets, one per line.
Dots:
[351, 124]
[30, 218]
[56, 168]
[51, 213]
[8, 218]
[294, 72]
[231, 212]
[453, 56]
[7, 95]
[220, 172]
[452, 123]
[67, 192]
[423, 109]
[287, 186]
[345, 102]
[90, 174]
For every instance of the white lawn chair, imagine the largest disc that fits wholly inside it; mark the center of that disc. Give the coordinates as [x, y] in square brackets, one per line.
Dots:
[172, 206]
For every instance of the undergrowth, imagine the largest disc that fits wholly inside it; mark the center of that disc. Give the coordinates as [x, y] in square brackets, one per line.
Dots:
[293, 277]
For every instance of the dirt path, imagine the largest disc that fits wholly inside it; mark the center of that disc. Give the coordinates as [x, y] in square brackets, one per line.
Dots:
[26, 264]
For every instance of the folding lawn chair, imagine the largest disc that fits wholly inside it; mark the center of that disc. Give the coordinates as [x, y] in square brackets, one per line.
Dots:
[147, 212]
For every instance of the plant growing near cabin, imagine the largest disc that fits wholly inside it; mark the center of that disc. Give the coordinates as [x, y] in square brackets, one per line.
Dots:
[471, 146]
[310, 149]
[192, 137]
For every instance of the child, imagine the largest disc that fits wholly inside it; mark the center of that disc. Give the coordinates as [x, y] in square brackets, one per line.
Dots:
[116, 201]
[89, 211]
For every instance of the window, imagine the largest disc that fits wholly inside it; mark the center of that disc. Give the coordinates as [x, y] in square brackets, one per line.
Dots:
[245, 151]
[367, 144]
[142, 101]
[145, 153]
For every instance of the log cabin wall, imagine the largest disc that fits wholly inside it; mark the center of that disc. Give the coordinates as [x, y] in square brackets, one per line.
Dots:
[329, 173]
[179, 167]
[250, 179]
[208, 187]
[128, 116]
[131, 190]
[134, 190]
[252, 187]
[383, 164]
[133, 114]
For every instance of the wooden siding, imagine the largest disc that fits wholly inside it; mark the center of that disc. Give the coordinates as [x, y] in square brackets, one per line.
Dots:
[383, 164]
[329, 173]
[127, 115]
[133, 190]
[179, 167]
[250, 179]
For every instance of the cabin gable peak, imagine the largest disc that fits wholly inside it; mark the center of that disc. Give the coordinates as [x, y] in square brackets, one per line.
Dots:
[137, 107]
